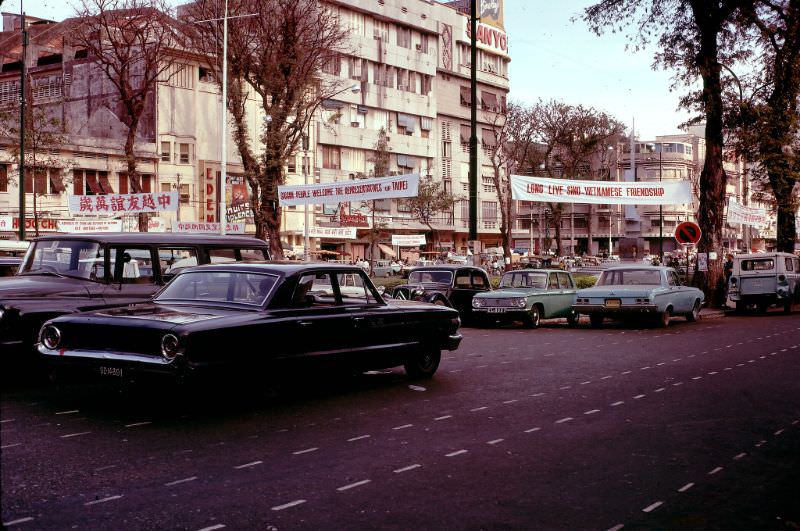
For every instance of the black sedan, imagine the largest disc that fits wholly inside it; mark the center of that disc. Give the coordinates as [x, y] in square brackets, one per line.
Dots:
[447, 285]
[247, 316]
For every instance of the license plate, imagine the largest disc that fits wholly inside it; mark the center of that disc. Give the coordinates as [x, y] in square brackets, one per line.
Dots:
[496, 310]
[111, 371]
[613, 303]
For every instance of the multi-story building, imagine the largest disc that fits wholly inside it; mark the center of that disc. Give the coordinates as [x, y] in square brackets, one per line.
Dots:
[410, 76]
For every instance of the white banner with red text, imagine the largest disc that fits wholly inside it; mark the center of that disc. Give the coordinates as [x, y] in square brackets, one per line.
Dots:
[406, 185]
[343, 233]
[756, 217]
[600, 192]
[90, 225]
[121, 204]
[408, 240]
[203, 227]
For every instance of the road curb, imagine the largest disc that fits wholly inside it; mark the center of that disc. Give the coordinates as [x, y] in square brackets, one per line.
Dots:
[711, 313]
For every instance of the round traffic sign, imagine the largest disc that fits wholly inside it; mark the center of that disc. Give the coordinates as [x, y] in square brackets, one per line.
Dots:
[688, 232]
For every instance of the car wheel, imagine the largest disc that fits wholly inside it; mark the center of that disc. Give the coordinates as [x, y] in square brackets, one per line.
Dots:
[596, 320]
[439, 302]
[423, 363]
[533, 318]
[664, 317]
[694, 315]
[573, 318]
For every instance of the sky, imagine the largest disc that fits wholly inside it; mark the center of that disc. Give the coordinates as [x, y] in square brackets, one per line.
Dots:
[551, 58]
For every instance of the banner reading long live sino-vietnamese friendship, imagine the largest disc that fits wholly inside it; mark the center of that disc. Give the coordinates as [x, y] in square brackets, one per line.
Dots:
[600, 192]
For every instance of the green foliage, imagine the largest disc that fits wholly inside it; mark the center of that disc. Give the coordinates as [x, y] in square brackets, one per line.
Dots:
[585, 281]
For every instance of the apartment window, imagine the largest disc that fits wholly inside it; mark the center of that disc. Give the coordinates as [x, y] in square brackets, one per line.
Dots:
[381, 30]
[425, 84]
[91, 182]
[166, 187]
[355, 68]
[145, 184]
[184, 190]
[358, 23]
[466, 96]
[383, 205]
[331, 157]
[466, 132]
[206, 75]
[166, 151]
[332, 66]
[464, 210]
[489, 210]
[488, 184]
[291, 165]
[423, 44]
[183, 153]
[489, 101]
[402, 79]
[3, 178]
[404, 37]
[447, 149]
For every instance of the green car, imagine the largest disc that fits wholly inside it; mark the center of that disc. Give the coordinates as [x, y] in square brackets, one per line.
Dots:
[528, 295]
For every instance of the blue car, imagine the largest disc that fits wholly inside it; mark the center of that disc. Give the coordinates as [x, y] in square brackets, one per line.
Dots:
[628, 291]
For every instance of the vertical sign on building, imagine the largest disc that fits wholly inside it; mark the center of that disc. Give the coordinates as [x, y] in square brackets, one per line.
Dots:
[211, 195]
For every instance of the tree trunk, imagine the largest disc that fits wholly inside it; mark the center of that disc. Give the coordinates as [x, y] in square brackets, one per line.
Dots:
[557, 227]
[786, 232]
[133, 173]
[712, 178]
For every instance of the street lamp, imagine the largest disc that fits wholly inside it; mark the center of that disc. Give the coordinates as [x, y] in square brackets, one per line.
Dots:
[223, 174]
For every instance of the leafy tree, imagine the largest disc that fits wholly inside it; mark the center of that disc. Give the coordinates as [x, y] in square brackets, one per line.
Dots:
[43, 134]
[432, 199]
[130, 42]
[693, 37]
[380, 161]
[276, 53]
[571, 137]
[766, 124]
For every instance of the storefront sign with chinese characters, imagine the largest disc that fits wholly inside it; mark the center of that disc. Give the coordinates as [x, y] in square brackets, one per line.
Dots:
[202, 227]
[343, 233]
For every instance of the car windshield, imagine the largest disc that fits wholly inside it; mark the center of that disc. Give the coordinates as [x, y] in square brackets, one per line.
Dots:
[219, 286]
[420, 277]
[524, 279]
[630, 277]
[65, 258]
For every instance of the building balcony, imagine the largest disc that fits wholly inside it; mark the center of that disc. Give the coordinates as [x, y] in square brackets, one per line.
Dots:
[345, 135]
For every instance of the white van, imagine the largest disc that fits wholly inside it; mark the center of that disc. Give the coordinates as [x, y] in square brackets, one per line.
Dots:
[764, 279]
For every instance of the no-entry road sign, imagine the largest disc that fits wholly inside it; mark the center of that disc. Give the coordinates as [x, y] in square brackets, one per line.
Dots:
[688, 232]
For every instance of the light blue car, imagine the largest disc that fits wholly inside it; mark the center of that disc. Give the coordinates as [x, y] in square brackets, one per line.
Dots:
[627, 291]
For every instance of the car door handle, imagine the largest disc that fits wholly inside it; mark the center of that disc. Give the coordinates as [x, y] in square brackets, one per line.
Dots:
[358, 320]
[304, 323]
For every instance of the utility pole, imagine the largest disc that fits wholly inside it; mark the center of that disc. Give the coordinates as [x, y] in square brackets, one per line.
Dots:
[473, 122]
[22, 106]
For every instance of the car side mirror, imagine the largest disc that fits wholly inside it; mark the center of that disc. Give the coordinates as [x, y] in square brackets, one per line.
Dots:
[381, 289]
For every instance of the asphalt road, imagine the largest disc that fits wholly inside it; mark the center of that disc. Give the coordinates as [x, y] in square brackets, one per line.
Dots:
[692, 427]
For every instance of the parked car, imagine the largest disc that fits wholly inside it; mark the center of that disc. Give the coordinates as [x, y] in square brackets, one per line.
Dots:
[405, 269]
[65, 273]
[446, 285]
[255, 318]
[626, 291]
[764, 279]
[529, 296]
[383, 268]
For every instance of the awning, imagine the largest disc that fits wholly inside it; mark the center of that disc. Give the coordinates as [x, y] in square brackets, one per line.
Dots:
[466, 96]
[465, 133]
[91, 182]
[332, 104]
[104, 184]
[407, 121]
[387, 250]
[488, 100]
[56, 181]
[489, 139]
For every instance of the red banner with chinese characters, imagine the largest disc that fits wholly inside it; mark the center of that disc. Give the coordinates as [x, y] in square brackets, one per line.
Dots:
[121, 204]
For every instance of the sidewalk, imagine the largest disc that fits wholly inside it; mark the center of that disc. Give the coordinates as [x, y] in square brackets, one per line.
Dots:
[711, 313]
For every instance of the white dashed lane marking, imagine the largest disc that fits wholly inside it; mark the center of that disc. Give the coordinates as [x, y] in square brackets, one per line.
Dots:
[10, 446]
[248, 465]
[407, 468]
[618, 403]
[213, 527]
[715, 471]
[565, 419]
[103, 500]
[138, 424]
[495, 441]
[653, 506]
[288, 505]
[739, 456]
[591, 412]
[306, 451]
[479, 408]
[17, 521]
[354, 485]
[403, 427]
[686, 487]
[453, 454]
[67, 436]
[444, 417]
[179, 481]
[70, 412]
[531, 430]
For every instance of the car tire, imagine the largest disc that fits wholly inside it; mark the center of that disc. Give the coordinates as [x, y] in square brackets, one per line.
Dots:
[596, 320]
[533, 319]
[573, 318]
[664, 317]
[694, 315]
[423, 363]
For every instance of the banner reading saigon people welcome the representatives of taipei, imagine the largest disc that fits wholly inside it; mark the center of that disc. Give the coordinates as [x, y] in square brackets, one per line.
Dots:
[406, 185]
[600, 192]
